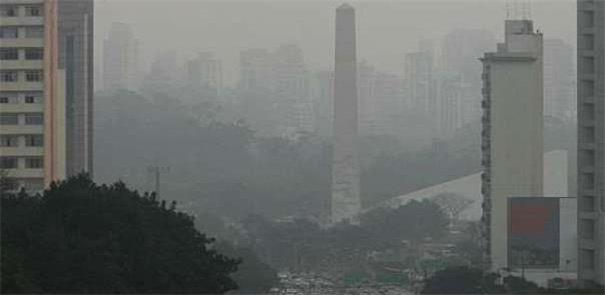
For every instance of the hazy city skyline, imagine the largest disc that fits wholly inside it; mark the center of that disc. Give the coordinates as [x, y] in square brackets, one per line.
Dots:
[387, 30]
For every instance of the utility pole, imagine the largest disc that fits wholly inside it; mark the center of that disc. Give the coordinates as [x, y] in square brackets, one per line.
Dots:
[157, 171]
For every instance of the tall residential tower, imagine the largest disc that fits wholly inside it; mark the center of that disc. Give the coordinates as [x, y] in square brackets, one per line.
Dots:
[591, 135]
[46, 90]
[346, 202]
[512, 140]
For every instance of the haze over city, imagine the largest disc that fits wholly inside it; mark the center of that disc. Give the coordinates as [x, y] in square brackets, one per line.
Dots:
[302, 147]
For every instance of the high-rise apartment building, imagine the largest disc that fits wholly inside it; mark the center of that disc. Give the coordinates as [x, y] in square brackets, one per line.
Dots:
[512, 135]
[46, 90]
[346, 202]
[121, 59]
[591, 133]
[206, 72]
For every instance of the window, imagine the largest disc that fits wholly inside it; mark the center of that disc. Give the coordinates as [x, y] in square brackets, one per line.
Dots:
[9, 119]
[9, 32]
[8, 76]
[34, 32]
[9, 54]
[587, 259]
[33, 97]
[8, 11]
[8, 162]
[587, 203]
[34, 140]
[588, 134]
[33, 76]
[34, 119]
[587, 229]
[587, 180]
[9, 140]
[34, 162]
[9, 97]
[34, 53]
[33, 10]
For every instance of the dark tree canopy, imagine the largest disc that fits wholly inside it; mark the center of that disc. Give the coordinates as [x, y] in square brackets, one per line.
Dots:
[79, 237]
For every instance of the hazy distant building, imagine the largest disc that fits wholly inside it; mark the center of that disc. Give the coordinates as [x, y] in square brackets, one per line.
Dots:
[512, 135]
[162, 76]
[321, 88]
[205, 72]
[459, 89]
[591, 129]
[121, 59]
[381, 102]
[46, 90]
[256, 70]
[346, 202]
[559, 80]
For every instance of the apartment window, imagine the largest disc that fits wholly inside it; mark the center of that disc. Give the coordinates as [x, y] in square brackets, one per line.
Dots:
[8, 76]
[33, 10]
[588, 111]
[9, 119]
[587, 42]
[587, 259]
[587, 229]
[588, 65]
[33, 97]
[34, 32]
[34, 53]
[588, 87]
[587, 19]
[34, 119]
[587, 158]
[34, 163]
[9, 32]
[8, 162]
[9, 140]
[8, 11]
[587, 203]
[32, 140]
[3, 99]
[587, 181]
[588, 134]
[9, 54]
[33, 76]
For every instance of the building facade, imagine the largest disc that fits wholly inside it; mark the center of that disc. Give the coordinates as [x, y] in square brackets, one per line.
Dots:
[346, 202]
[46, 90]
[559, 80]
[512, 134]
[121, 59]
[591, 135]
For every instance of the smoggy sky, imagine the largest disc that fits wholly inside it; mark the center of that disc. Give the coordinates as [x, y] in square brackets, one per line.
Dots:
[386, 29]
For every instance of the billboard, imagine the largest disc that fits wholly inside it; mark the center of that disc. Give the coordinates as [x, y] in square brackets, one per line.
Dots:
[533, 232]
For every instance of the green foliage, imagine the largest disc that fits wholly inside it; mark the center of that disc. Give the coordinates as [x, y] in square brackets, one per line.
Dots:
[461, 280]
[85, 238]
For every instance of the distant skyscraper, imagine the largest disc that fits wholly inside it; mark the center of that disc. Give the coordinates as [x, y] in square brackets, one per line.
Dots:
[559, 100]
[121, 59]
[322, 95]
[256, 70]
[46, 90]
[591, 152]
[457, 83]
[206, 72]
[346, 202]
[512, 135]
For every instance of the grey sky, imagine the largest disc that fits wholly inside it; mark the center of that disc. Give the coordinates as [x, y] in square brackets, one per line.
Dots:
[386, 29]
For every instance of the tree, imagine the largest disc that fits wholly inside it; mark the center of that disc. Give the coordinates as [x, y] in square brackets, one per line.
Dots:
[83, 237]
[461, 280]
[453, 204]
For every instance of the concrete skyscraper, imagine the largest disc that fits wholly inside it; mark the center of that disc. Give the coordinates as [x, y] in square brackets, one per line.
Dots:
[46, 90]
[121, 59]
[346, 202]
[512, 135]
[591, 132]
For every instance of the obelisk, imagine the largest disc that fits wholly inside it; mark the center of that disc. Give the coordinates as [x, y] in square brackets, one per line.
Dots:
[346, 202]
